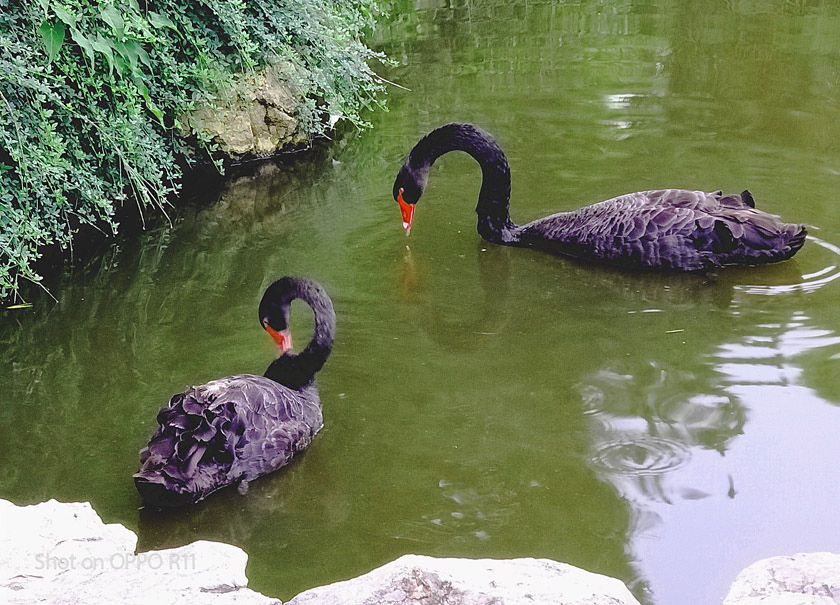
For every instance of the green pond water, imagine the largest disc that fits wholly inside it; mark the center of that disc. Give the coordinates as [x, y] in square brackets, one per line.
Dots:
[484, 401]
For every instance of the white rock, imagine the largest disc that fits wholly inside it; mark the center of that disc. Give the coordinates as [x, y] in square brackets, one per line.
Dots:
[420, 580]
[63, 554]
[803, 579]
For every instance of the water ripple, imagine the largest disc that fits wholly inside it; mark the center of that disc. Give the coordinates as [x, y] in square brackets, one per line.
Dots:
[643, 455]
[829, 261]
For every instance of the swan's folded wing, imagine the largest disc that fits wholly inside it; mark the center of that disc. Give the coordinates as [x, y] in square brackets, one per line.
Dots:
[668, 229]
[636, 229]
[228, 429]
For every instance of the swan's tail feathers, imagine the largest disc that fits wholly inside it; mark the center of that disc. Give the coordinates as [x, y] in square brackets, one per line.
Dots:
[797, 239]
[155, 492]
[761, 238]
[176, 482]
[170, 474]
[188, 457]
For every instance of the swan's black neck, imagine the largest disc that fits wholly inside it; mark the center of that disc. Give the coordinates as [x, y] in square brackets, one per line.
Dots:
[298, 370]
[494, 223]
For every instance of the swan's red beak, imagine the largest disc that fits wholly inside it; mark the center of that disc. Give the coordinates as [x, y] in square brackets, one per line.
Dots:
[407, 212]
[283, 338]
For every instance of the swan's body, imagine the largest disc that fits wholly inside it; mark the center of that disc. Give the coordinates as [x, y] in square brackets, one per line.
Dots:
[238, 428]
[668, 229]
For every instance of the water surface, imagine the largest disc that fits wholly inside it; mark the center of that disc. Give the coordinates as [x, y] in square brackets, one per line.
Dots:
[483, 401]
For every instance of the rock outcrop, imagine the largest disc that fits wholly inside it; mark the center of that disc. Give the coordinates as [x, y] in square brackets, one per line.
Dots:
[420, 580]
[256, 118]
[803, 579]
[62, 554]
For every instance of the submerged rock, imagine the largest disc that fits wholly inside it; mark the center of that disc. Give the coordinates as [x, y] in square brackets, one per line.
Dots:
[61, 554]
[803, 579]
[416, 580]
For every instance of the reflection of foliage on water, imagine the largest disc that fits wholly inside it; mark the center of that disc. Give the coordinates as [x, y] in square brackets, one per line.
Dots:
[119, 312]
[660, 89]
[662, 423]
[658, 400]
[653, 411]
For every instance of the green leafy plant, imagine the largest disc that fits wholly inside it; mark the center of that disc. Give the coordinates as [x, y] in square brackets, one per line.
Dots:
[91, 93]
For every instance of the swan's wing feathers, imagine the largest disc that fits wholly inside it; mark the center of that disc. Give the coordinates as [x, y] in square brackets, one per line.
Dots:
[669, 198]
[747, 198]
[631, 230]
[731, 200]
[698, 200]
[630, 216]
[217, 433]
[274, 448]
[668, 229]
[266, 411]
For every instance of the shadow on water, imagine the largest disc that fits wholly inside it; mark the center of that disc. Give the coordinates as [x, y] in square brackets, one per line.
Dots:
[470, 320]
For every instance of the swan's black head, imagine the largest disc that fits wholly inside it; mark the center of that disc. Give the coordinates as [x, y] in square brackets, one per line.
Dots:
[408, 187]
[411, 182]
[274, 312]
[290, 369]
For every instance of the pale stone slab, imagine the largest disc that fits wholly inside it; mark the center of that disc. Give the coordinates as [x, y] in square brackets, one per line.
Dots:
[421, 580]
[803, 579]
[62, 554]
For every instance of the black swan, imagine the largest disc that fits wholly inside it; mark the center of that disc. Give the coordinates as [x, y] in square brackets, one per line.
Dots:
[238, 428]
[664, 229]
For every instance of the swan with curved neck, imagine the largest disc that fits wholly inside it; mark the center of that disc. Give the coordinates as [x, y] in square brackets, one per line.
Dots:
[664, 229]
[237, 428]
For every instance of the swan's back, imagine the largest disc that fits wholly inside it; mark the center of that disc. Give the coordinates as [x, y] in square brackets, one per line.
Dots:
[227, 430]
[668, 229]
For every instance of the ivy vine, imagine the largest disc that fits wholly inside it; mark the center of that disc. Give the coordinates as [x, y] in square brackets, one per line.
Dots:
[91, 93]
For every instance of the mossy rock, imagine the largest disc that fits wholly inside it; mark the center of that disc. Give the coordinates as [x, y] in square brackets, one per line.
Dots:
[255, 118]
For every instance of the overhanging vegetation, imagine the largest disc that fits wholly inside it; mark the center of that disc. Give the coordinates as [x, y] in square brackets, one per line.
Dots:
[91, 94]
